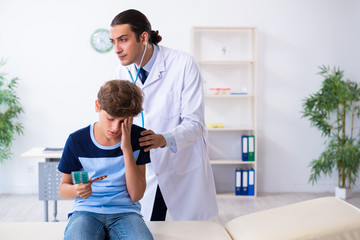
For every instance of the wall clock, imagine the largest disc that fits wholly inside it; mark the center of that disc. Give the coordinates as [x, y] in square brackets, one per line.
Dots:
[100, 40]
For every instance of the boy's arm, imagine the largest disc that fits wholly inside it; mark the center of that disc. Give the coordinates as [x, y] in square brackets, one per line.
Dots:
[68, 190]
[134, 174]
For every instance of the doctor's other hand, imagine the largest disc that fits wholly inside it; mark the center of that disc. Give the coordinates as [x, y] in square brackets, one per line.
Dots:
[151, 140]
[83, 190]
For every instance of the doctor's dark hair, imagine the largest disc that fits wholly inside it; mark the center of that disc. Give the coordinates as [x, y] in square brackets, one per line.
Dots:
[138, 23]
[120, 98]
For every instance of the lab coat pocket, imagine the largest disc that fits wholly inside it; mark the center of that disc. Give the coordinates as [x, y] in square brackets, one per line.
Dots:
[159, 160]
[188, 159]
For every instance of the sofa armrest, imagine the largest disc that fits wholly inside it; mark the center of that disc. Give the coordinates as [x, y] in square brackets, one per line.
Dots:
[322, 218]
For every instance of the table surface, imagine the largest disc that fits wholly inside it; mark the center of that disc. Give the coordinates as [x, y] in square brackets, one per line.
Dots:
[40, 152]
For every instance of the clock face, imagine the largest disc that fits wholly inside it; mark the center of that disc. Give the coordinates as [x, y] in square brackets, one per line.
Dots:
[100, 40]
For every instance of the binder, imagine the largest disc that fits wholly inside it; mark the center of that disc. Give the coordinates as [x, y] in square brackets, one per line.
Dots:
[244, 148]
[244, 182]
[237, 182]
[251, 187]
[251, 148]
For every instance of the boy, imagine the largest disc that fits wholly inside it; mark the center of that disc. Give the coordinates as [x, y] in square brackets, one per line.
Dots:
[107, 209]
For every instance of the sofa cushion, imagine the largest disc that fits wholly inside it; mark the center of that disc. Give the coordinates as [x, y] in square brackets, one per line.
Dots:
[170, 230]
[186, 230]
[32, 230]
[322, 218]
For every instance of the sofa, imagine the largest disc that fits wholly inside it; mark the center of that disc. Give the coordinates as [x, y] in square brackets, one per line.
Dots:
[321, 218]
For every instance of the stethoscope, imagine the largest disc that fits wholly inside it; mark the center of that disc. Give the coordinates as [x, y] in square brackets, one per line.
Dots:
[136, 78]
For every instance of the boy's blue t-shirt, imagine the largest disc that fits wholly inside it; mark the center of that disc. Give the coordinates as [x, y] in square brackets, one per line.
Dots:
[83, 153]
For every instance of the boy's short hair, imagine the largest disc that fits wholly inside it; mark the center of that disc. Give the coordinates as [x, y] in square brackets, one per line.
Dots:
[120, 98]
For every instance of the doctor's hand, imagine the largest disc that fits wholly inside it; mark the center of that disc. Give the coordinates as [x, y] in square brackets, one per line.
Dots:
[151, 140]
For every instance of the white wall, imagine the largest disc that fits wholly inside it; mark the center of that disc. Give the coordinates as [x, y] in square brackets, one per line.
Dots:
[47, 46]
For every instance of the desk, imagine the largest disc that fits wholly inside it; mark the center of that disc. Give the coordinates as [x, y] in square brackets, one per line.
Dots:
[49, 176]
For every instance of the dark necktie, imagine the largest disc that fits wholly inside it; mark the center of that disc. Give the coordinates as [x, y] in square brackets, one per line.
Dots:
[142, 75]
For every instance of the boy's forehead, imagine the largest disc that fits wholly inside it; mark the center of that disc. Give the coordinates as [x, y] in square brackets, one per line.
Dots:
[112, 116]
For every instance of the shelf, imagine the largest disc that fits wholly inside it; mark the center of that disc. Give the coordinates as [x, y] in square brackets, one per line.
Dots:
[227, 58]
[202, 62]
[230, 162]
[222, 29]
[225, 129]
[232, 195]
[229, 96]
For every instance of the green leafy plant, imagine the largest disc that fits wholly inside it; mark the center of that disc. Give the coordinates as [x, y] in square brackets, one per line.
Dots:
[10, 110]
[334, 110]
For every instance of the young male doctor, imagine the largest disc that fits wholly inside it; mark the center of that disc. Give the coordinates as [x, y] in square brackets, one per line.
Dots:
[179, 177]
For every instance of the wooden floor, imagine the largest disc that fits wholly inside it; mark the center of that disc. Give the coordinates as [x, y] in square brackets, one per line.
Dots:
[27, 208]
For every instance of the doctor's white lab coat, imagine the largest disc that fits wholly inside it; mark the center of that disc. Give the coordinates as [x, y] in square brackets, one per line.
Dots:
[173, 102]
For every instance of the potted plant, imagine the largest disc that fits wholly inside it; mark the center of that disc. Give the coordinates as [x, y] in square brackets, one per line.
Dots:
[335, 111]
[10, 110]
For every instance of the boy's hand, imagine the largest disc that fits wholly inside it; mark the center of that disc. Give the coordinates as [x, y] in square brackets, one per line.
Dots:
[126, 133]
[83, 190]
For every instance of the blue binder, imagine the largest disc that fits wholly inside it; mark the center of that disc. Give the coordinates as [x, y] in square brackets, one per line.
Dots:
[244, 182]
[244, 148]
[237, 182]
[251, 187]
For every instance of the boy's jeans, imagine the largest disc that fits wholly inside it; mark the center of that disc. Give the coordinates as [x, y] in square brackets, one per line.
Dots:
[88, 226]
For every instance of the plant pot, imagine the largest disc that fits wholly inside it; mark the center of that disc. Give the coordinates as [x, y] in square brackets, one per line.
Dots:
[343, 193]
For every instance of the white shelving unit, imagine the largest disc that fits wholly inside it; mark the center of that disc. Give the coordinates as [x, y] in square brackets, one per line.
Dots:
[227, 57]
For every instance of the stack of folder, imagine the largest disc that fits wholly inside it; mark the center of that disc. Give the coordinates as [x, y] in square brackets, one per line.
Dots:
[245, 182]
[248, 148]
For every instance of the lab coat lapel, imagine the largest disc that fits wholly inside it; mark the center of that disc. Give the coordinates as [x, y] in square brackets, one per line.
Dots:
[157, 70]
